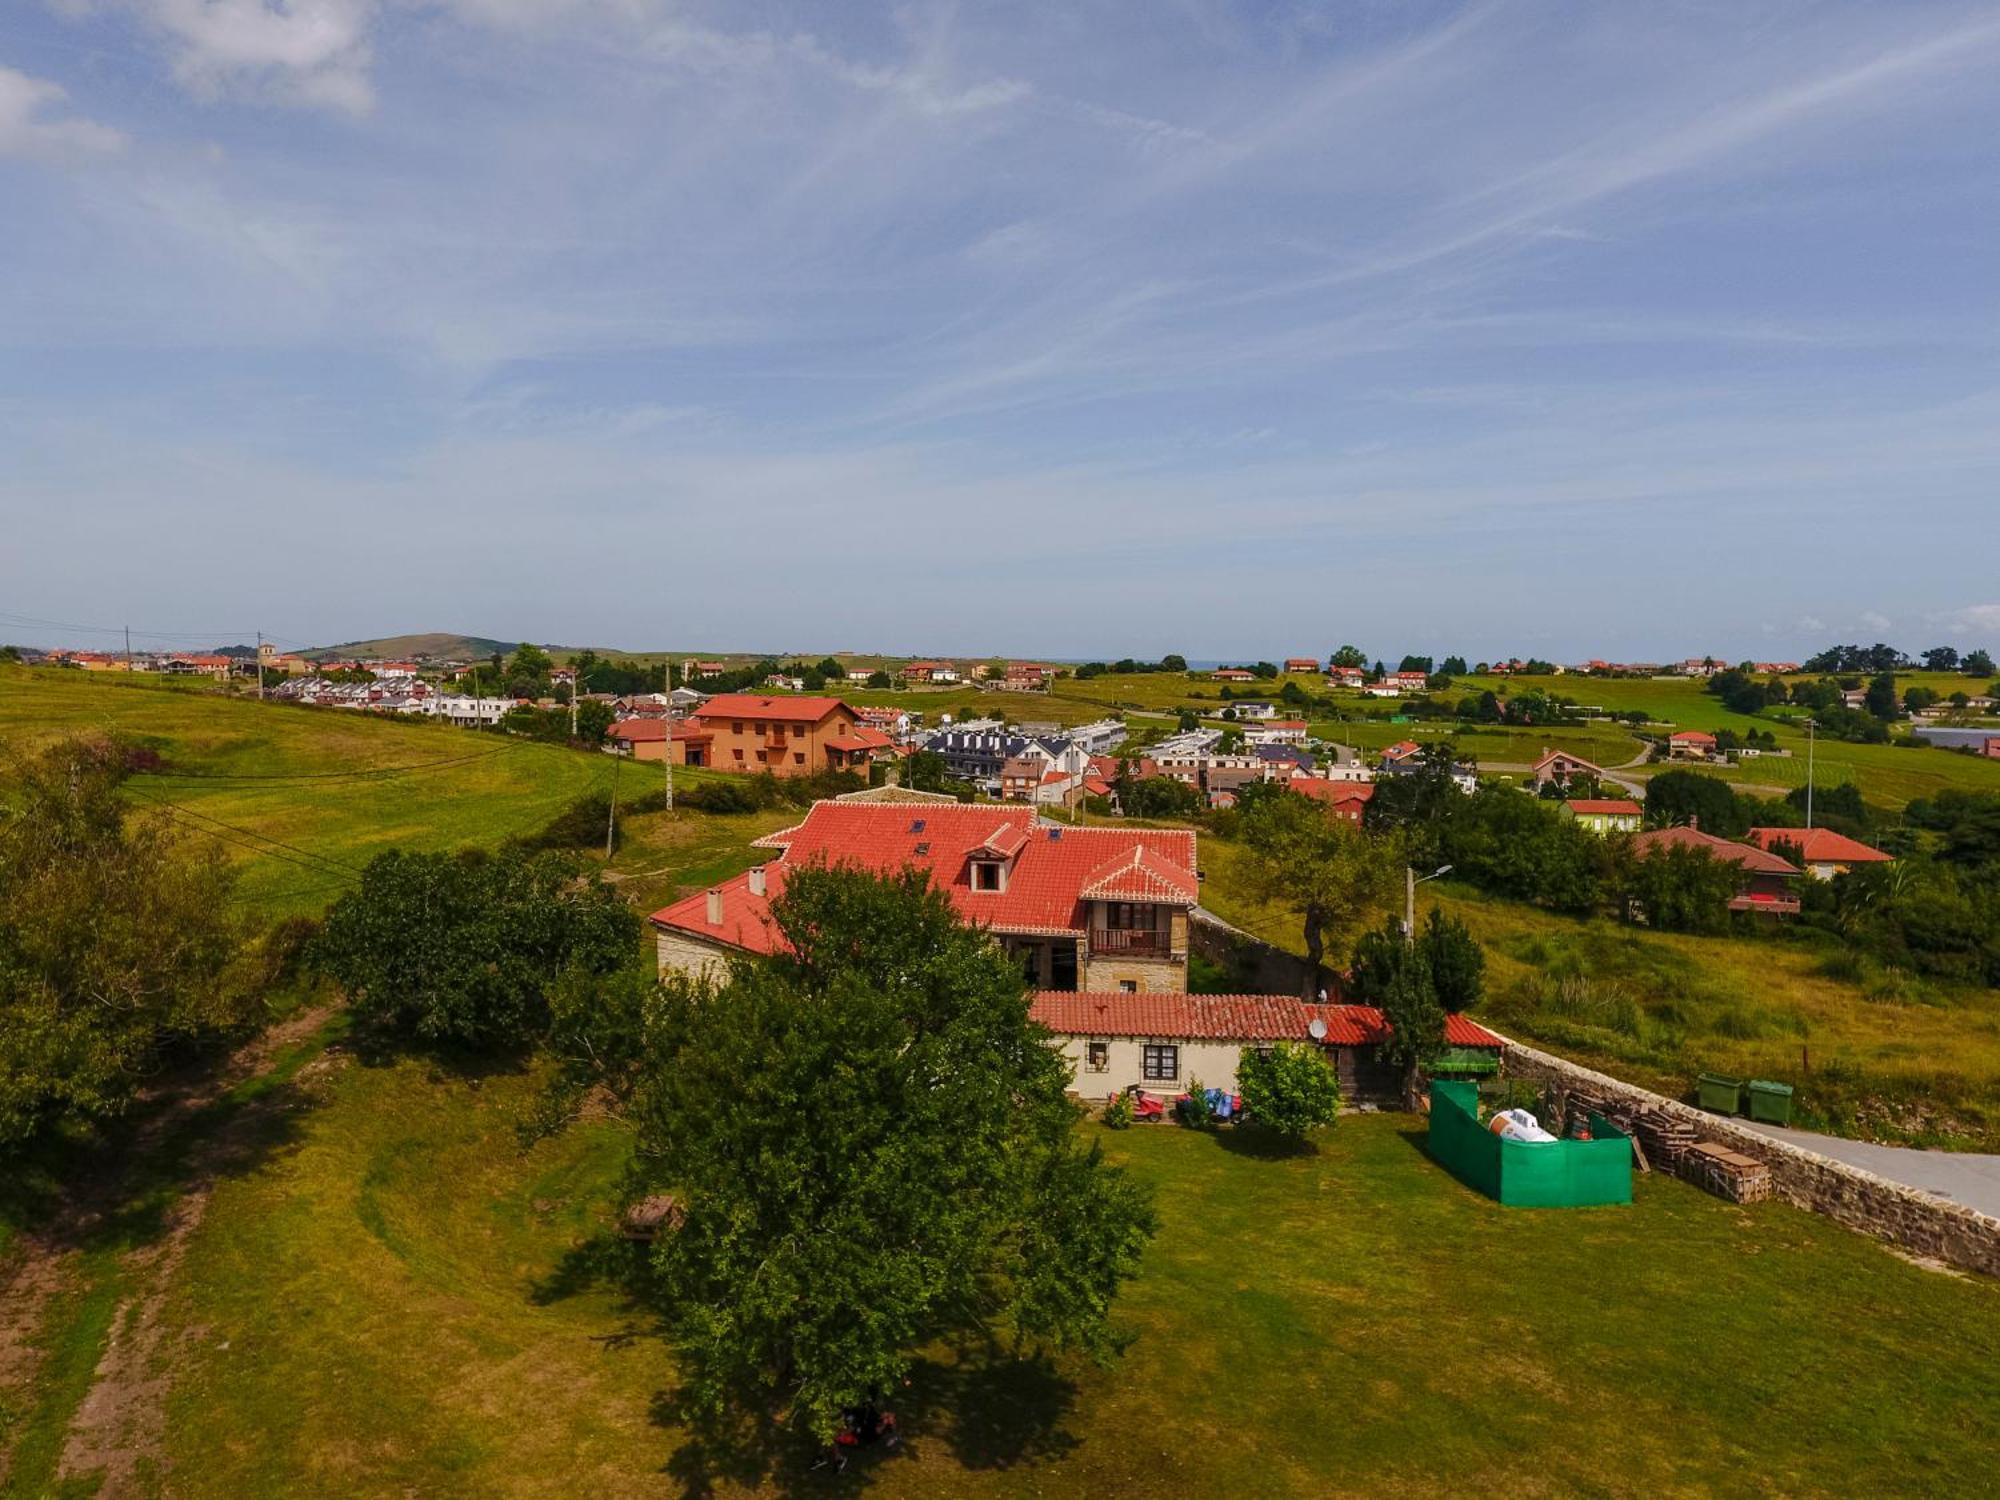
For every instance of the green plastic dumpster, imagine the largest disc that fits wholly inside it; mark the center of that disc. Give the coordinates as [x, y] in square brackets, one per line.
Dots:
[1719, 1094]
[1770, 1102]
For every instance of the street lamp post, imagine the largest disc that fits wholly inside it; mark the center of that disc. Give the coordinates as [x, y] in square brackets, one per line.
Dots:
[1411, 880]
[1811, 725]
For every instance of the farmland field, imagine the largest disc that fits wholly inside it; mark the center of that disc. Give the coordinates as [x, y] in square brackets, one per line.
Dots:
[386, 1300]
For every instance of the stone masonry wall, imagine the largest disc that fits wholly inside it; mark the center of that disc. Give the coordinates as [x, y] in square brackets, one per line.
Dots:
[1920, 1222]
[1255, 967]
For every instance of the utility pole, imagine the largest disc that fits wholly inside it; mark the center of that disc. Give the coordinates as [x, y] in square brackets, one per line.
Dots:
[260, 666]
[128, 648]
[611, 822]
[1811, 725]
[1409, 903]
[667, 677]
[574, 683]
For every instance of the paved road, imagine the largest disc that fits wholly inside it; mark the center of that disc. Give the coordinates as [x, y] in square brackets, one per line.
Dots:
[1961, 1176]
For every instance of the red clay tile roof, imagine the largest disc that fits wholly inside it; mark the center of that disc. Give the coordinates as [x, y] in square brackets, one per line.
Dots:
[1140, 874]
[1749, 856]
[1693, 736]
[1819, 845]
[862, 737]
[639, 730]
[1401, 749]
[1228, 1018]
[754, 706]
[1322, 790]
[1044, 886]
[1612, 806]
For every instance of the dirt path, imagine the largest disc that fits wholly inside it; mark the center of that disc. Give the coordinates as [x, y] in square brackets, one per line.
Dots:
[117, 1430]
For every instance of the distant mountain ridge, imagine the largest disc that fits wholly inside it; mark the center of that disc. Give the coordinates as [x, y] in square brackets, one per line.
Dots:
[438, 643]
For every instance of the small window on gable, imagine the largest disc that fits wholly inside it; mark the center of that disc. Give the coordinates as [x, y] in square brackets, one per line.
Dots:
[987, 876]
[1128, 986]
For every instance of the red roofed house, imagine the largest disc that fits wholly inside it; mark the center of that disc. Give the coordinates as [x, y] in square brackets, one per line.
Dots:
[1233, 674]
[1605, 814]
[1691, 744]
[1402, 750]
[1027, 676]
[1408, 682]
[1347, 800]
[930, 671]
[859, 748]
[1164, 1043]
[1301, 664]
[1823, 852]
[1767, 884]
[1347, 677]
[790, 736]
[1096, 908]
[646, 739]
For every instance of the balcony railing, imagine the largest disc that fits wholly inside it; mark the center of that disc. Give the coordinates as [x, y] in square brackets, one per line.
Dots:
[1777, 906]
[1132, 942]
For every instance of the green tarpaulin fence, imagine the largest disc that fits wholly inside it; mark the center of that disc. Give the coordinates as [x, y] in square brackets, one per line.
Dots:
[1553, 1174]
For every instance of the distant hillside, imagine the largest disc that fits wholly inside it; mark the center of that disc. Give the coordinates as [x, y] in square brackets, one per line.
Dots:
[402, 647]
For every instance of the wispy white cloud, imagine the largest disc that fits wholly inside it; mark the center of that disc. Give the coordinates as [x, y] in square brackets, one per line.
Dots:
[306, 52]
[34, 123]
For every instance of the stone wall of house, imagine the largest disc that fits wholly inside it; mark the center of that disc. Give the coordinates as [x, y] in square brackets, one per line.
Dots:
[1254, 966]
[1918, 1221]
[1150, 976]
[685, 955]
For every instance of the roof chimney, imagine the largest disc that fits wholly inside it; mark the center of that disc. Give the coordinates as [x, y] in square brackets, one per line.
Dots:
[715, 906]
[1694, 822]
[757, 881]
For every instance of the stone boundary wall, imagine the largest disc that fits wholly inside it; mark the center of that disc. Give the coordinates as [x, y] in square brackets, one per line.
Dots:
[1918, 1221]
[1255, 967]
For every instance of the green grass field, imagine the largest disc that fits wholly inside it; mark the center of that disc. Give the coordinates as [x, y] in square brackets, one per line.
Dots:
[1873, 1054]
[380, 1306]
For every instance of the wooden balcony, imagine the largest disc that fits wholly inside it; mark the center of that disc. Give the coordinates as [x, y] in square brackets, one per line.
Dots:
[1132, 942]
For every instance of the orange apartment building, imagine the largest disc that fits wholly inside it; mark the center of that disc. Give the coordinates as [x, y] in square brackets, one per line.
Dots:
[787, 736]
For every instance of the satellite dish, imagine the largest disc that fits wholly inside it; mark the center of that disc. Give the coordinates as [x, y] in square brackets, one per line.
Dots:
[1316, 1029]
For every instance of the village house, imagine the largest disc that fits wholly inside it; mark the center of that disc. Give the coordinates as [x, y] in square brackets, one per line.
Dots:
[1165, 1043]
[935, 673]
[1823, 852]
[1027, 677]
[1277, 732]
[1560, 768]
[1346, 800]
[1098, 908]
[273, 660]
[1346, 677]
[648, 739]
[1691, 744]
[1250, 711]
[1232, 674]
[1408, 682]
[785, 736]
[1605, 815]
[197, 664]
[859, 675]
[1766, 884]
[1301, 664]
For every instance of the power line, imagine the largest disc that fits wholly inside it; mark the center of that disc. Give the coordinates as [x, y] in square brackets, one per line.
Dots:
[320, 863]
[373, 773]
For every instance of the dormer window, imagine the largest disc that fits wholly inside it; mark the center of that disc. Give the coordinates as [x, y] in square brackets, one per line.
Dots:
[989, 875]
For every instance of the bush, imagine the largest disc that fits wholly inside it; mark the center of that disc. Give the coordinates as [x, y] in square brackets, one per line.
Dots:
[1289, 1089]
[1118, 1111]
[463, 948]
[1192, 1109]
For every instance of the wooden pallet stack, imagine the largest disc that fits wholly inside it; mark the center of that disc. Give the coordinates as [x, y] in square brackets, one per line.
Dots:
[1726, 1173]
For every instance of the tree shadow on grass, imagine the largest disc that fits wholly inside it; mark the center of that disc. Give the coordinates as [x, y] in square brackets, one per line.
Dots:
[1264, 1145]
[990, 1408]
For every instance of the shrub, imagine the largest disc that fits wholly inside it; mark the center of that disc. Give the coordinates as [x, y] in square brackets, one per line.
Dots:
[1192, 1109]
[1289, 1089]
[1118, 1111]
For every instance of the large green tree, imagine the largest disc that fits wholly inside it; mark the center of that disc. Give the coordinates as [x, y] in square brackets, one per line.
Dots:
[464, 948]
[115, 940]
[873, 1149]
[1333, 877]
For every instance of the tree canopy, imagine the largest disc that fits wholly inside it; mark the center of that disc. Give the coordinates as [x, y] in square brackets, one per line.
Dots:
[463, 948]
[873, 1150]
[115, 940]
[1326, 871]
[1289, 1089]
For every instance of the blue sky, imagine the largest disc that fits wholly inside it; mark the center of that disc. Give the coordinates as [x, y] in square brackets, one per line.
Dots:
[1630, 329]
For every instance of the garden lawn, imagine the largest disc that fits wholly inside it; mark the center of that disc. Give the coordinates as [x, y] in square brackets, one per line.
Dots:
[380, 1309]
